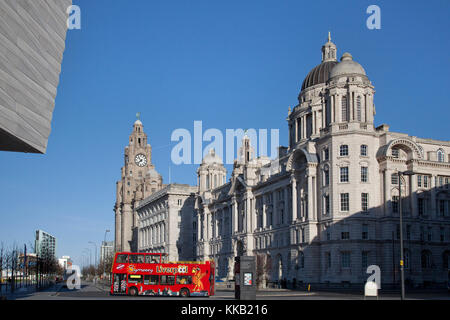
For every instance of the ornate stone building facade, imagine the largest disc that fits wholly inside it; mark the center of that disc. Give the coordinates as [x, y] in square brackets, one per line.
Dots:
[331, 208]
[166, 222]
[323, 211]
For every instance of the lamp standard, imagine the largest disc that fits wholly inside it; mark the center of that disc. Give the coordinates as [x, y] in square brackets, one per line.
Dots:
[402, 264]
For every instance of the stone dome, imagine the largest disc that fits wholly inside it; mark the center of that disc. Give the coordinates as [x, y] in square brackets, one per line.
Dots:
[347, 66]
[319, 74]
[211, 158]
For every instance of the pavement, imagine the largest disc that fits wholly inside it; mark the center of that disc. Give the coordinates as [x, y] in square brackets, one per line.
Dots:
[96, 291]
[30, 293]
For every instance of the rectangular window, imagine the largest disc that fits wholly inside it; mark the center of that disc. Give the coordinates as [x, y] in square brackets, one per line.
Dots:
[364, 202]
[430, 234]
[326, 154]
[184, 279]
[365, 232]
[364, 174]
[425, 181]
[326, 204]
[345, 259]
[364, 260]
[394, 178]
[122, 258]
[345, 202]
[420, 206]
[136, 258]
[345, 235]
[167, 280]
[395, 204]
[408, 232]
[363, 150]
[326, 177]
[441, 208]
[343, 150]
[134, 278]
[328, 260]
[419, 181]
[151, 279]
[344, 174]
[344, 109]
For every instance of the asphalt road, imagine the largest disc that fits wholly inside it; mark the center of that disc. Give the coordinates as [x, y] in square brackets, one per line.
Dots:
[91, 291]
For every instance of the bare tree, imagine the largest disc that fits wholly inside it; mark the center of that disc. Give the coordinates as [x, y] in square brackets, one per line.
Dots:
[263, 269]
[2, 265]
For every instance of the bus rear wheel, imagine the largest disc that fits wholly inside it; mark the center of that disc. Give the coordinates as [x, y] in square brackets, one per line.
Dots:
[133, 291]
[184, 292]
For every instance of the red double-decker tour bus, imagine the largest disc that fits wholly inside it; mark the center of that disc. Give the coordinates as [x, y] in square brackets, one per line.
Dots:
[148, 274]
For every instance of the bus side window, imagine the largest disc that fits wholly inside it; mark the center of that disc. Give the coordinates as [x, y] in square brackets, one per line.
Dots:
[184, 279]
[151, 279]
[167, 280]
[134, 278]
[122, 258]
[151, 259]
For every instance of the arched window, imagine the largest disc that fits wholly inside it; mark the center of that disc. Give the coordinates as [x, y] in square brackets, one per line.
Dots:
[440, 155]
[344, 109]
[358, 108]
[207, 181]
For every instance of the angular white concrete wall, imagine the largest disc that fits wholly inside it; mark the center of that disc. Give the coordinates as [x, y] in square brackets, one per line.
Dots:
[32, 42]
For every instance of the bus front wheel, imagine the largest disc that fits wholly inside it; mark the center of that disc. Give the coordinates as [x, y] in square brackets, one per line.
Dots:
[133, 291]
[184, 292]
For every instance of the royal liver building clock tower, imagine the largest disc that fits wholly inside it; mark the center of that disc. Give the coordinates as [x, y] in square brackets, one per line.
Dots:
[139, 180]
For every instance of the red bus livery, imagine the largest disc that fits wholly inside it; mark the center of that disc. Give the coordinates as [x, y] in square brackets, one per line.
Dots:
[147, 274]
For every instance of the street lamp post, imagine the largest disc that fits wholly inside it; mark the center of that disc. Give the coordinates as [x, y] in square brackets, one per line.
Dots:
[402, 263]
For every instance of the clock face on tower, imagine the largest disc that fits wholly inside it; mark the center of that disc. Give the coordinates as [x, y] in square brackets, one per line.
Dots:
[140, 160]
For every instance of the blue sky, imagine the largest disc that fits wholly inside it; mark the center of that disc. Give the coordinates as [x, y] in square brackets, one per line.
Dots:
[230, 64]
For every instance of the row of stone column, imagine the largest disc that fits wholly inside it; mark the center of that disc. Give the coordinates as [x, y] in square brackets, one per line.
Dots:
[351, 96]
[153, 235]
[244, 220]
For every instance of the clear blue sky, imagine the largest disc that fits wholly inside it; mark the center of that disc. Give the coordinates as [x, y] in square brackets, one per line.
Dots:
[231, 64]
